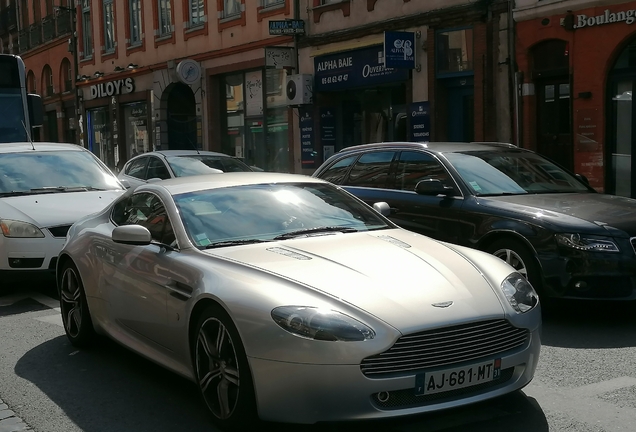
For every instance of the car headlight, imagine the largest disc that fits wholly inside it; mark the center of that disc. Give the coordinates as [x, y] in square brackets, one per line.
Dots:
[590, 244]
[12, 228]
[520, 294]
[321, 324]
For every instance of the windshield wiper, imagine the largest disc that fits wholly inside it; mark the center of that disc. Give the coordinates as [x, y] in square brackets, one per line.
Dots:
[54, 189]
[15, 193]
[234, 243]
[317, 230]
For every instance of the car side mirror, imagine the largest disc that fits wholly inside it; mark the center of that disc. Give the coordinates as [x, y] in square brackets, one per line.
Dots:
[135, 235]
[583, 179]
[382, 208]
[36, 110]
[153, 180]
[432, 187]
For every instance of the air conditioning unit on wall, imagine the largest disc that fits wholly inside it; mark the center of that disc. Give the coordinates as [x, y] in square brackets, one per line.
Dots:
[299, 89]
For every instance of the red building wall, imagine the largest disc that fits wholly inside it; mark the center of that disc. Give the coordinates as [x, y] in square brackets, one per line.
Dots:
[592, 52]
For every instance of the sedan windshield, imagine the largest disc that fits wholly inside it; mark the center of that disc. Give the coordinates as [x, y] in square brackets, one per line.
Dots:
[266, 212]
[36, 172]
[512, 172]
[191, 165]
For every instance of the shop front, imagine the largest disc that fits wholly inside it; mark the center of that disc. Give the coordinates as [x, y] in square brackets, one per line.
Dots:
[357, 100]
[578, 73]
[117, 120]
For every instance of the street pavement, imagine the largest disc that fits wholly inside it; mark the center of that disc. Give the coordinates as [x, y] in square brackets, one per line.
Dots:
[586, 381]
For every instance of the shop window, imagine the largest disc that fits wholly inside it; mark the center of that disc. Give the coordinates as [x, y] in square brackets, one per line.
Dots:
[66, 75]
[271, 3]
[100, 140]
[234, 108]
[109, 26]
[371, 170]
[136, 129]
[454, 51]
[550, 56]
[274, 82]
[165, 17]
[87, 30]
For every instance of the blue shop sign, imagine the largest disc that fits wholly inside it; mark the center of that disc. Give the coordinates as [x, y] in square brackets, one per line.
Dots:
[357, 68]
[399, 50]
[420, 121]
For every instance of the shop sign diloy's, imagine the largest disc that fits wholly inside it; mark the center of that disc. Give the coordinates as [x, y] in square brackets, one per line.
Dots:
[112, 88]
[356, 68]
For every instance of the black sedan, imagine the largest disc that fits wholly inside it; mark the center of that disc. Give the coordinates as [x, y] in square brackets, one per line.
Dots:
[569, 240]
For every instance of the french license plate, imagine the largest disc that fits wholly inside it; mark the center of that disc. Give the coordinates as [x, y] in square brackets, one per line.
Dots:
[457, 378]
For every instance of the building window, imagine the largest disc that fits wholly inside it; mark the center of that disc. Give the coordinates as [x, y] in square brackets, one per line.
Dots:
[454, 51]
[268, 3]
[165, 17]
[197, 13]
[109, 26]
[87, 31]
[231, 8]
[135, 21]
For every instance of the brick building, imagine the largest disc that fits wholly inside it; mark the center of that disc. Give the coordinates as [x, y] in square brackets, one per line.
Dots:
[458, 89]
[577, 63]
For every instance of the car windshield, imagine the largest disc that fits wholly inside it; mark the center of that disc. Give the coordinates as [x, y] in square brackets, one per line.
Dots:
[191, 165]
[512, 172]
[265, 212]
[33, 172]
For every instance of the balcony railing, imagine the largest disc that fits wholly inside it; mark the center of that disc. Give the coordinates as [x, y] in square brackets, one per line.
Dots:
[51, 27]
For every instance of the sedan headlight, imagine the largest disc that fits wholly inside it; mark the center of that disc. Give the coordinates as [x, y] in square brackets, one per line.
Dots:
[590, 244]
[520, 294]
[12, 228]
[321, 324]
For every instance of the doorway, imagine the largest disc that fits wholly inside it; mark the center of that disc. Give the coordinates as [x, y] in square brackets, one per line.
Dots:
[182, 120]
[554, 130]
[460, 94]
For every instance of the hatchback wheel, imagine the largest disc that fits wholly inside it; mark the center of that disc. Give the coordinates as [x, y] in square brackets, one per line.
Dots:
[222, 371]
[75, 314]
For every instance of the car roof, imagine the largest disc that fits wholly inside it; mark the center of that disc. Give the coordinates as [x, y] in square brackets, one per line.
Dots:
[181, 185]
[20, 147]
[439, 147]
[168, 153]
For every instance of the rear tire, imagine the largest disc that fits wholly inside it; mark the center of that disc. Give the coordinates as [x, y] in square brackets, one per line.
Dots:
[76, 317]
[222, 371]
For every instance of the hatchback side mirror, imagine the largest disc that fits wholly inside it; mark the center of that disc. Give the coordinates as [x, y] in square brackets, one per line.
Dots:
[382, 208]
[432, 187]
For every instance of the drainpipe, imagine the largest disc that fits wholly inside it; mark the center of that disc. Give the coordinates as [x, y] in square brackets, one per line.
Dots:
[514, 77]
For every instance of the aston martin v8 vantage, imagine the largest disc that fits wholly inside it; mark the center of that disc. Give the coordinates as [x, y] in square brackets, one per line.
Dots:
[286, 298]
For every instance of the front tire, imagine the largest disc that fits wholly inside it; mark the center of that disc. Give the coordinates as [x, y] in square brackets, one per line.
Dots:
[222, 371]
[76, 317]
[519, 257]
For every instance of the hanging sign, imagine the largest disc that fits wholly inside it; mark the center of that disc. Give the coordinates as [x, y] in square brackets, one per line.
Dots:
[287, 27]
[399, 50]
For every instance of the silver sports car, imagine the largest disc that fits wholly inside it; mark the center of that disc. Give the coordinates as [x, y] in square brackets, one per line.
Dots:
[284, 297]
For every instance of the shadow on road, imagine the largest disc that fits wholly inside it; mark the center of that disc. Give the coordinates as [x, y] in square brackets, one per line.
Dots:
[108, 388]
[589, 324]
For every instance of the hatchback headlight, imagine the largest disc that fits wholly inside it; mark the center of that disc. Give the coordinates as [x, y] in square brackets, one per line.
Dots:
[13, 228]
[590, 244]
[520, 294]
[321, 324]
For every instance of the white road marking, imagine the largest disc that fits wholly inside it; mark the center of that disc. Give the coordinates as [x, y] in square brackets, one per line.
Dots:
[52, 319]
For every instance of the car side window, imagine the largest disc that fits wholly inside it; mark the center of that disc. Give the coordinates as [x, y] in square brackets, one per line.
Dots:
[371, 170]
[157, 169]
[147, 210]
[337, 172]
[137, 168]
[414, 167]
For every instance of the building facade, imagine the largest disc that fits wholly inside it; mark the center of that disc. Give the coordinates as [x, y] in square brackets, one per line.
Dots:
[41, 34]
[183, 75]
[456, 89]
[577, 63]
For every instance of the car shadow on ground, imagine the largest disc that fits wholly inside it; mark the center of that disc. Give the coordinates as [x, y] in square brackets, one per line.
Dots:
[107, 388]
[589, 324]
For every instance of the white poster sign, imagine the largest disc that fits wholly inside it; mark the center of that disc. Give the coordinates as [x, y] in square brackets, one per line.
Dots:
[254, 93]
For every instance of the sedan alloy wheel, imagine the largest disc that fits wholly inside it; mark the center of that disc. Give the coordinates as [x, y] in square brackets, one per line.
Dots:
[75, 314]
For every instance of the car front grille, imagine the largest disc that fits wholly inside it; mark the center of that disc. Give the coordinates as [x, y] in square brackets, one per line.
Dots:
[59, 231]
[445, 346]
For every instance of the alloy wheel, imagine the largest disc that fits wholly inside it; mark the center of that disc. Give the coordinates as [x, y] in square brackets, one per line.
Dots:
[71, 302]
[217, 368]
[512, 258]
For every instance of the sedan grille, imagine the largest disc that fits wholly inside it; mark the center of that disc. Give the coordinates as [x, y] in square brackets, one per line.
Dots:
[445, 346]
[59, 231]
